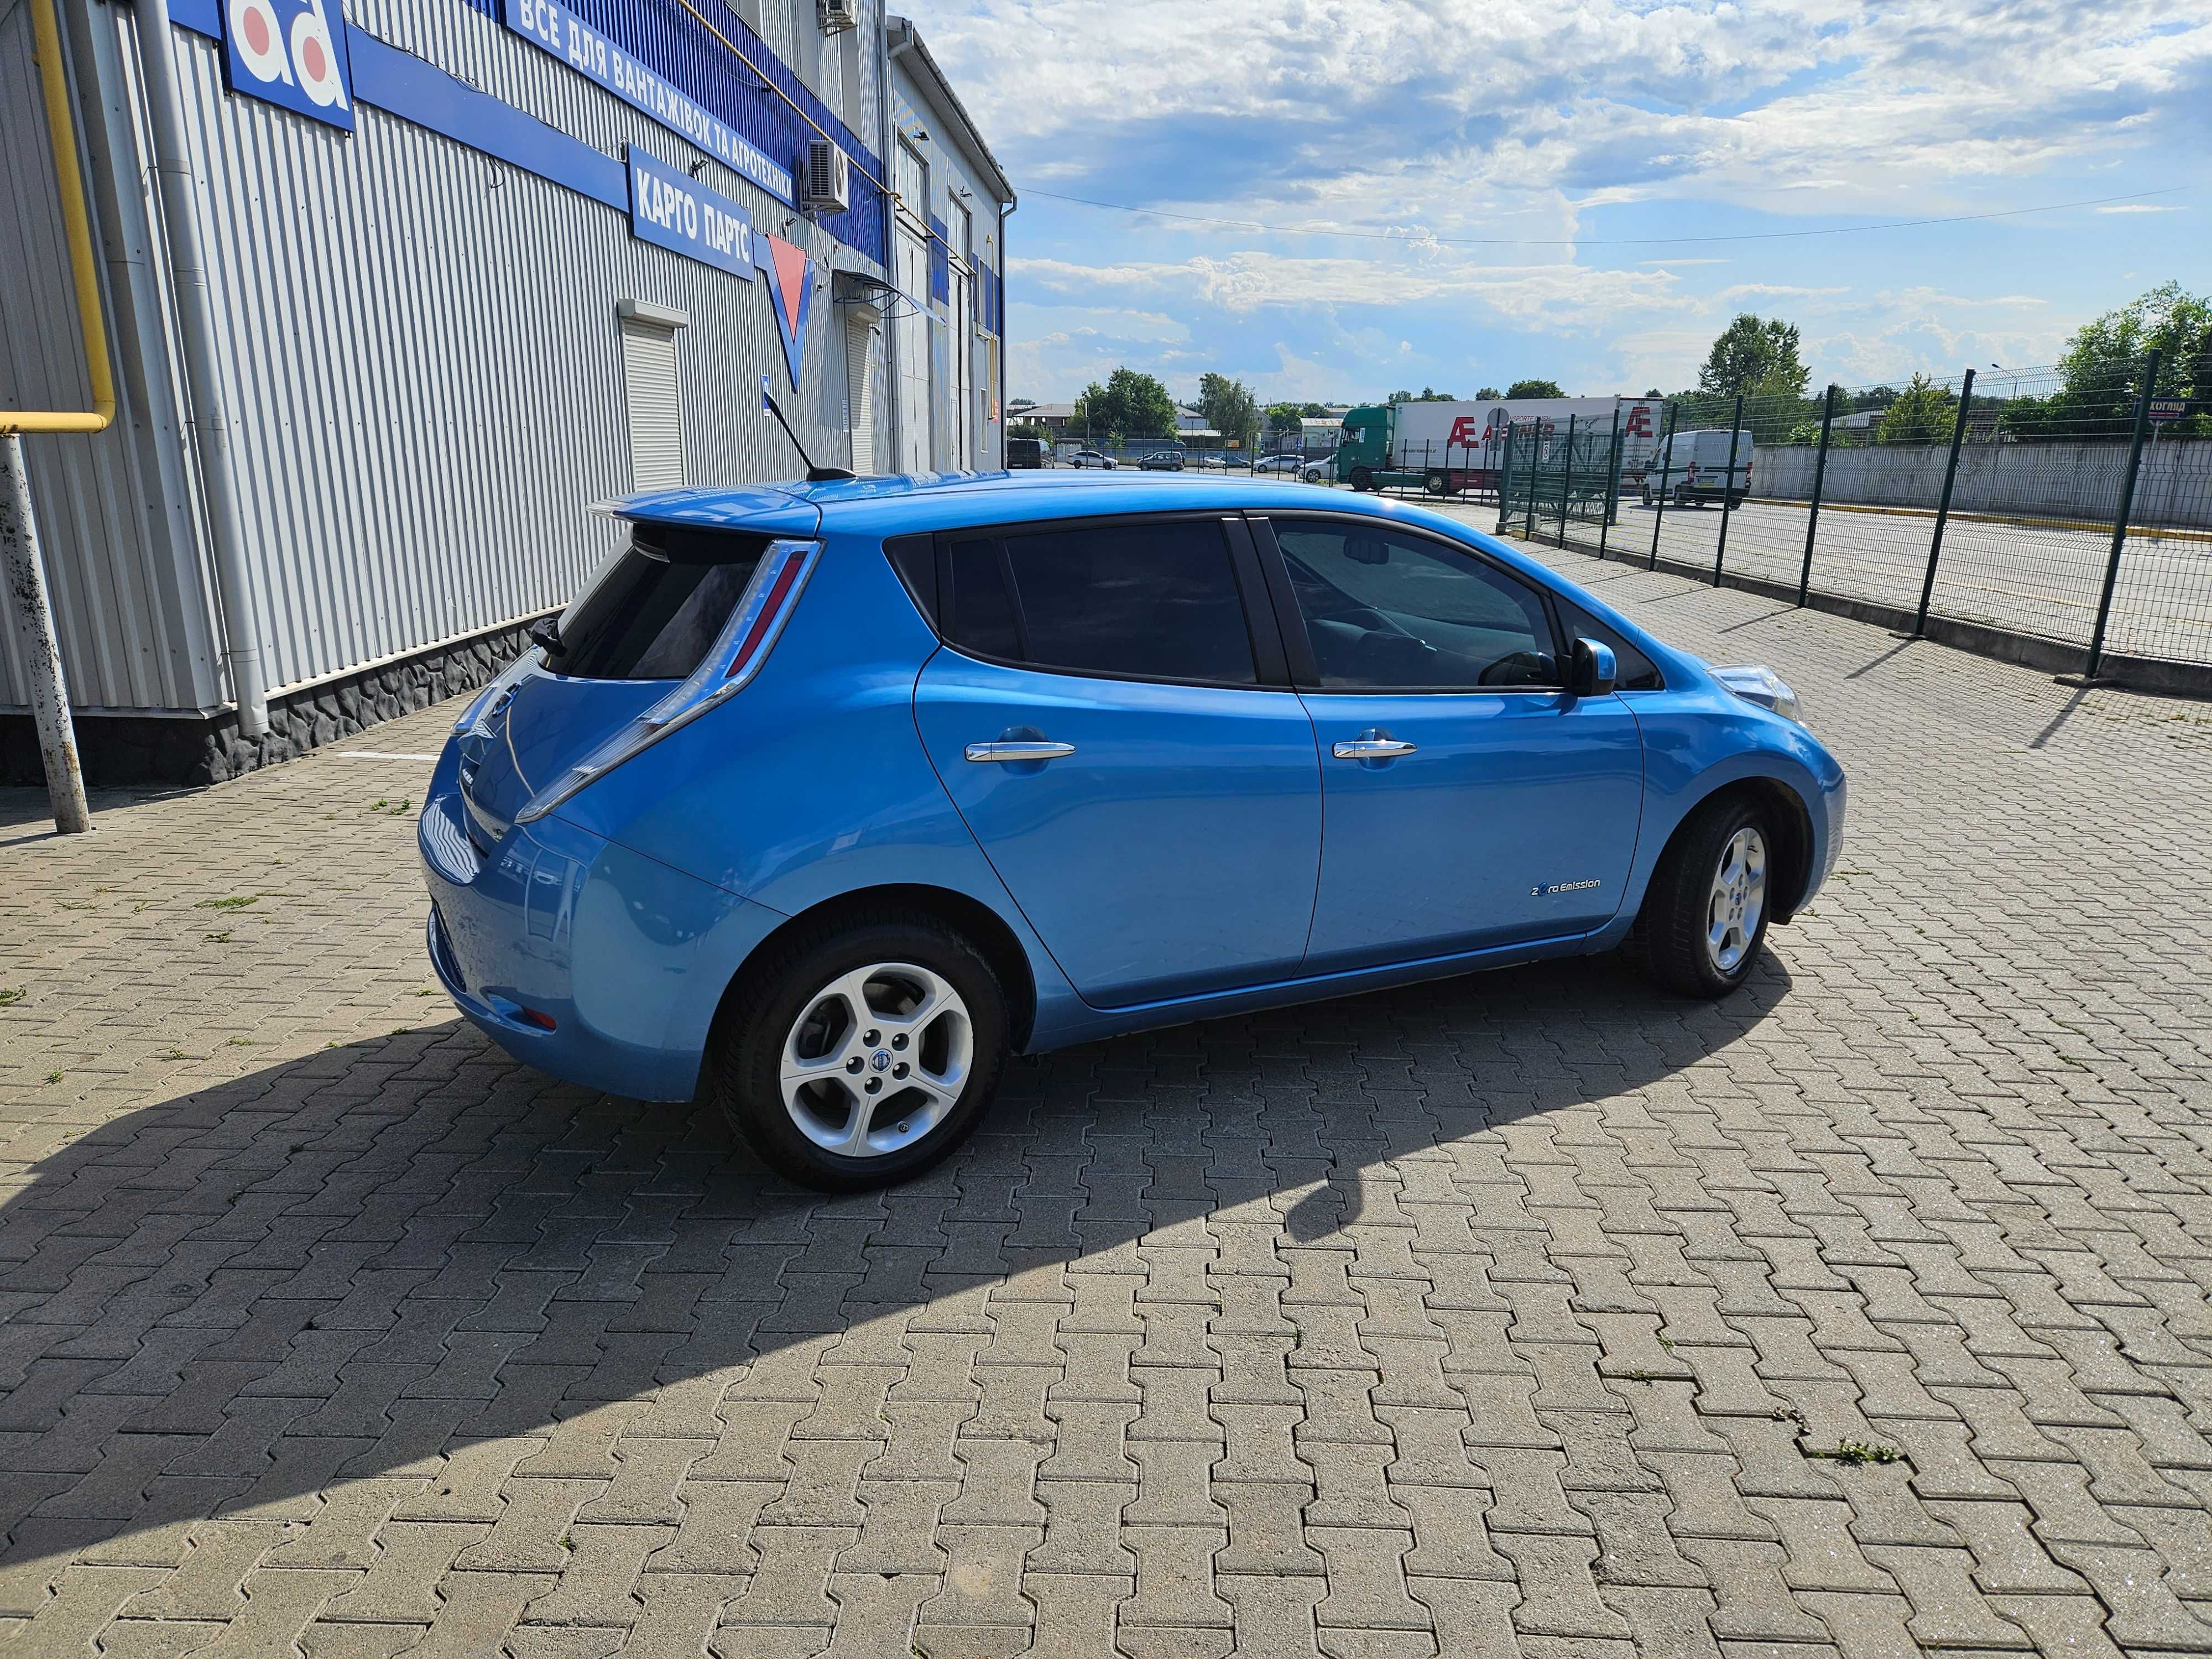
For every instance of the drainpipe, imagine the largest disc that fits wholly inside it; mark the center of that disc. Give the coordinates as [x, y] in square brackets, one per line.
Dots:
[203, 377]
[885, 57]
[1005, 212]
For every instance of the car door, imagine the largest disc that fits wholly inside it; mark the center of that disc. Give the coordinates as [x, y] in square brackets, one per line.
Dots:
[1468, 799]
[1113, 719]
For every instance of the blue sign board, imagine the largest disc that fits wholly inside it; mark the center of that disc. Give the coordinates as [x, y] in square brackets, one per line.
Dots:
[552, 25]
[291, 53]
[682, 215]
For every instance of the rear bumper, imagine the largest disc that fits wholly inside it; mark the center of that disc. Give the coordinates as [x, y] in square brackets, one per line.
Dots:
[578, 956]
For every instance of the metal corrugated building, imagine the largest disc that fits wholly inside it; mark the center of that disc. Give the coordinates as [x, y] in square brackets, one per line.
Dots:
[443, 332]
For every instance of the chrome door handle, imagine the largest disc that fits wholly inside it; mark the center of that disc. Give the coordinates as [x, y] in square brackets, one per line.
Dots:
[1023, 750]
[1371, 749]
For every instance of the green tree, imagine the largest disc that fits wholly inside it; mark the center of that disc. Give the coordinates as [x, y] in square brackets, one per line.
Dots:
[1533, 389]
[1037, 429]
[2102, 368]
[1229, 407]
[1756, 356]
[1923, 413]
[1313, 411]
[1131, 404]
[1488, 394]
[1284, 419]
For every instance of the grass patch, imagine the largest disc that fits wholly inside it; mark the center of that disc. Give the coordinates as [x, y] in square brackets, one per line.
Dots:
[235, 901]
[1860, 1451]
[11, 994]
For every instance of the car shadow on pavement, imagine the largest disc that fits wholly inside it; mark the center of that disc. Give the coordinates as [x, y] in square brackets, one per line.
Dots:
[340, 1267]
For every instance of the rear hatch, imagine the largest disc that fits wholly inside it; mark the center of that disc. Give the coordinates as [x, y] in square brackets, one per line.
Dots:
[642, 625]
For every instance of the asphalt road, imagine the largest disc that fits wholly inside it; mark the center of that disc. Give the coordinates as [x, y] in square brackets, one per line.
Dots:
[2014, 575]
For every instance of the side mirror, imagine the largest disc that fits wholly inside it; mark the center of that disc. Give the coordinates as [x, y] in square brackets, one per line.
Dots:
[1593, 669]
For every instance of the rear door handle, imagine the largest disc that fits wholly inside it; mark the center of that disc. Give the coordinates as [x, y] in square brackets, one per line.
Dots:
[1370, 748]
[1024, 749]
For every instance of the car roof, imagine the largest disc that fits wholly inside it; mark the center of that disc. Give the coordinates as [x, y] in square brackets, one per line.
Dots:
[911, 502]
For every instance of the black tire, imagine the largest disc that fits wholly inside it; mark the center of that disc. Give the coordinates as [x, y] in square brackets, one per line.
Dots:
[1437, 485]
[788, 978]
[1362, 478]
[1647, 495]
[1680, 907]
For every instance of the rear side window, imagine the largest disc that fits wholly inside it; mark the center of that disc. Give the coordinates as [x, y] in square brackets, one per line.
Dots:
[1633, 670]
[655, 608]
[1144, 601]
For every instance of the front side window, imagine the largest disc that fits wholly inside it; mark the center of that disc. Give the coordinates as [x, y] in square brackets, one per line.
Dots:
[1392, 612]
[1156, 601]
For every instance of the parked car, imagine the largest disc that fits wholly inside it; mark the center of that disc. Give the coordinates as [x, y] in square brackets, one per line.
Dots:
[1214, 463]
[823, 800]
[1691, 468]
[1293, 465]
[1091, 458]
[1161, 460]
[1027, 453]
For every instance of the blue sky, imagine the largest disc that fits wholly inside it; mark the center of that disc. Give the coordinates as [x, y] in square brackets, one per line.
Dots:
[1566, 135]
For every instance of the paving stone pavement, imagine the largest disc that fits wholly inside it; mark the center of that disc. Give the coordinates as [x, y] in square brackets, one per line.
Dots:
[1536, 1313]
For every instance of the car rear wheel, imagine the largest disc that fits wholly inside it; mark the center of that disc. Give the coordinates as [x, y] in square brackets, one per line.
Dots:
[865, 1053]
[1704, 918]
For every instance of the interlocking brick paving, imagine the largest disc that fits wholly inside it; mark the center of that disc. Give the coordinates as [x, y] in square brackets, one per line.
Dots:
[1534, 1313]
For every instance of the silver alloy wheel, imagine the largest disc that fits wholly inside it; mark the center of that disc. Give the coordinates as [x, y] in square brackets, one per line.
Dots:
[1738, 900]
[876, 1058]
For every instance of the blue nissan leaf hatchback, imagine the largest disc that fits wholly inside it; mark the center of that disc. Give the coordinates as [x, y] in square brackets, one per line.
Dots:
[827, 797]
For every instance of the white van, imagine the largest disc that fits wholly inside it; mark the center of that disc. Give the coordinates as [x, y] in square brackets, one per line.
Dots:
[1693, 468]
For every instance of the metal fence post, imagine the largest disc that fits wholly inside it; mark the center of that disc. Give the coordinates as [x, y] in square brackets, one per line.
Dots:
[1943, 508]
[1566, 483]
[1505, 481]
[2120, 518]
[1820, 477]
[1612, 484]
[1727, 488]
[24, 574]
[1535, 442]
[1666, 465]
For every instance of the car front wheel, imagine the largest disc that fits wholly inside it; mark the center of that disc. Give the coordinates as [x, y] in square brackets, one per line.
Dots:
[861, 1054]
[1704, 918]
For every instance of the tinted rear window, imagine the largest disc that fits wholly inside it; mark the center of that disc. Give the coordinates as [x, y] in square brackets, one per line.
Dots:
[655, 608]
[1152, 601]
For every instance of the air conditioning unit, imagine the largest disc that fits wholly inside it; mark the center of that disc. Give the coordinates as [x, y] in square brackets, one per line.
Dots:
[829, 178]
[837, 15]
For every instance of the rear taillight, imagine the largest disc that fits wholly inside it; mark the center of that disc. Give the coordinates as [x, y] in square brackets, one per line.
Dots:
[727, 668]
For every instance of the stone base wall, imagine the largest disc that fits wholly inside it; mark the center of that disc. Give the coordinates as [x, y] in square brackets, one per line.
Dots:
[141, 749]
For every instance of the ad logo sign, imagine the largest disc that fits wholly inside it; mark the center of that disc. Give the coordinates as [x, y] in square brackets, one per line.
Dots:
[291, 53]
[790, 296]
[680, 214]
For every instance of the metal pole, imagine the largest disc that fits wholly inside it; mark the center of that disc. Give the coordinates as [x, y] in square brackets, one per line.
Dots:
[2120, 518]
[1943, 507]
[1536, 443]
[1612, 484]
[203, 362]
[1820, 477]
[1666, 465]
[1505, 481]
[26, 576]
[1727, 488]
[1566, 481]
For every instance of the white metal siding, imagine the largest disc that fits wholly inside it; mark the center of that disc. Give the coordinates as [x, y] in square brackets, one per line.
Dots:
[861, 392]
[656, 411]
[422, 364]
[115, 509]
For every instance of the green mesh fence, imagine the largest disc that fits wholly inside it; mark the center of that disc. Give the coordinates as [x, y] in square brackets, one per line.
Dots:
[2068, 507]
